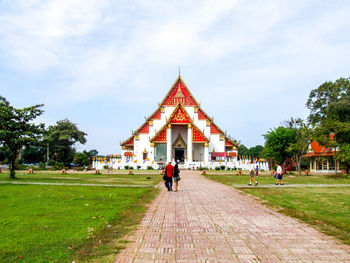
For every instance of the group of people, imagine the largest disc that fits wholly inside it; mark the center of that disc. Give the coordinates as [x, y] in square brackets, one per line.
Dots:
[254, 173]
[171, 173]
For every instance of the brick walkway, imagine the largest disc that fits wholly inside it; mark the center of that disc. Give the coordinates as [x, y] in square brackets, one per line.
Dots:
[209, 222]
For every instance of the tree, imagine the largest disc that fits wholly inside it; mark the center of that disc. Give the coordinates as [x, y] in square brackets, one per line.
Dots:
[243, 150]
[60, 139]
[256, 151]
[329, 107]
[81, 159]
[303, 135]
[278, 142]
[17, 129]
[33, 154]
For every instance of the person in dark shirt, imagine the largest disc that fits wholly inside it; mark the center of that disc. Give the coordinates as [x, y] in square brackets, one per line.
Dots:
[169, 170]
[176, 176]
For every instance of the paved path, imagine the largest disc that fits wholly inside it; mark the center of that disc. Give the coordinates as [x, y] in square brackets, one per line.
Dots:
[209, 222]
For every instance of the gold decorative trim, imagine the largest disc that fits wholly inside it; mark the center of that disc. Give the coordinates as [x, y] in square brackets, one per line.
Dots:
[208, 122]
[195, 109]
[150, 123]
[153, 144]
[162, 109]
[137, 137]
[222, 137]
[189, 126]
[123, 147]
[206, 144]
[169, 126]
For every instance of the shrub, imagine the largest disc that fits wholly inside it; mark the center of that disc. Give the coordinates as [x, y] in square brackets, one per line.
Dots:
[149, 167]
[21, 167]
[126, 167]
[131, 168]
[60, 166]
[42, 166]
[105, 166]
[222, 167]
[138, 167]
[217, 168]
[51, 163]
[228, 169]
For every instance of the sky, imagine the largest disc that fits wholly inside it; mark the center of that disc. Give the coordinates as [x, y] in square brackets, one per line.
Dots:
[105, 65]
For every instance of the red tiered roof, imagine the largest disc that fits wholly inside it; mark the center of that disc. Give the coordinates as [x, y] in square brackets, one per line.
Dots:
[144, 129]
[180, 116]
[179, 93]
[157, 115]
[201, 115]
[318, 150]
[213, 129]
[197, 136]
[161, 137]
[228, 143]
[130, 141]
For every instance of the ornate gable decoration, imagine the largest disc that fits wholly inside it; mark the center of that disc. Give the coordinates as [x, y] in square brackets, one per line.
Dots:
[179, 143]
[160, 137]
[197, 136]
[179, 94]
[179, 116]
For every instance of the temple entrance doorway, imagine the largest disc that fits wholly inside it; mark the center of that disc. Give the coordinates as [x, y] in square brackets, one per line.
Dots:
[180, 154]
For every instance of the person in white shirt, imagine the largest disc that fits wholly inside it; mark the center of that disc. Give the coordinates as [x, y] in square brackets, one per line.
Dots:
[279, 175]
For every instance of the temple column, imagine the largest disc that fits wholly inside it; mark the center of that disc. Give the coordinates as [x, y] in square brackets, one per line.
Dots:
[168, 144]
[189, 144]
[152, 153]
[206, 154]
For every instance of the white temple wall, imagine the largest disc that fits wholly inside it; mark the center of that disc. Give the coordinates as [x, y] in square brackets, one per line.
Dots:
[198, 152]
[143, 143]
[190, 111]
[216, 144]
[202, 125]
[168, 111]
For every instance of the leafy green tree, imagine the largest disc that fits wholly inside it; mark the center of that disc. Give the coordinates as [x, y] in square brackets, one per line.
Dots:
[81, 159]
[278, 142]
[17, 129]
[3, 154]
[303, 136]
[329, 107]
[243, 150]
[61, 138]
[33, 154]
[256, 151]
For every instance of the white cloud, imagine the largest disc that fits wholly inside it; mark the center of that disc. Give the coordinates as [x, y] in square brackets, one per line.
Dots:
[36, 33]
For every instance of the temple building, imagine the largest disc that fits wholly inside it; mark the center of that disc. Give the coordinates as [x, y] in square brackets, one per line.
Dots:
[179, 129]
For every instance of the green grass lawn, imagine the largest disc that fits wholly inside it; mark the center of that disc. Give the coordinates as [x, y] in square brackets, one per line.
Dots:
[264, 179]
[135, 179]
[328, 209]
[41, 223]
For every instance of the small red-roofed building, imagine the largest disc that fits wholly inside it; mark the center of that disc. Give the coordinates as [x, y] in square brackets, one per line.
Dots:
[321, 158]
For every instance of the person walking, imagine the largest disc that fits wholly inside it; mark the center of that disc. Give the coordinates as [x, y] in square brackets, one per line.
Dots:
[169, 171]
[252, 176]
[176, 176]
[279, 175]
